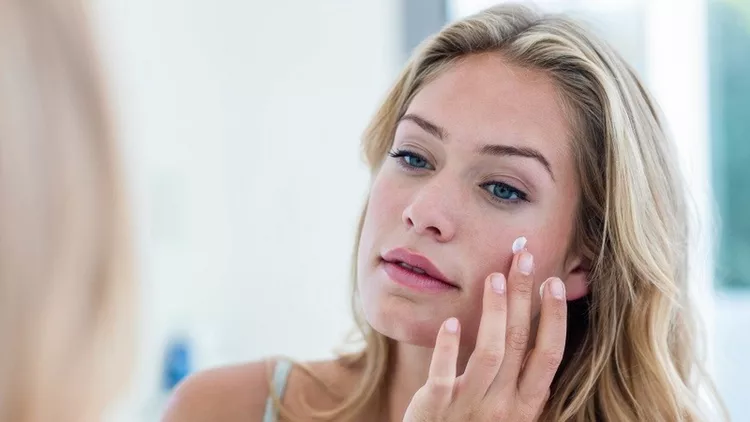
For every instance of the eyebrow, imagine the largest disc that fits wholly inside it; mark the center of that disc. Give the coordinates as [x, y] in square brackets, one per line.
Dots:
[490, 149]
[507, 150]
[426, 125]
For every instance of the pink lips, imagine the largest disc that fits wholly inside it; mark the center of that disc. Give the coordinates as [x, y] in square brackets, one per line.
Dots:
[419, 273]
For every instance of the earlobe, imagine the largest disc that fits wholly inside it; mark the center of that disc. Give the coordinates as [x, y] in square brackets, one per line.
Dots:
[576, 285]
[576, 281]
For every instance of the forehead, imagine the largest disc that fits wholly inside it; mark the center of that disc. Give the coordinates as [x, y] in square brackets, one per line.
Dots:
[484, 99]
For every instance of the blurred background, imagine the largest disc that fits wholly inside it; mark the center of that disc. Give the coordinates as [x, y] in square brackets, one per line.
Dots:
[241, 120]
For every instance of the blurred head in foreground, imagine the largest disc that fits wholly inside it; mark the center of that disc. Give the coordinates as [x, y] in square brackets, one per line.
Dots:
[65, 261]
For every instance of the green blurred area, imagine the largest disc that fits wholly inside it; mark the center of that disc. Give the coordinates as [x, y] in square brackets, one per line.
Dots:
[729, 69]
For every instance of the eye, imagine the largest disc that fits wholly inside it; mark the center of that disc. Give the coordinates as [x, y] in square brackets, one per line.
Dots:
[503, 192]
[411, 160]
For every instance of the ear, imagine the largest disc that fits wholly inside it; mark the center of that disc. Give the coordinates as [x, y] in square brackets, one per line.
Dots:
[576, 279]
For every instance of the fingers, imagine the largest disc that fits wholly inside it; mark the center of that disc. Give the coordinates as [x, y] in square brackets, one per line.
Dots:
[442, 375]
[545, 359]
[489, 351]
[520, 286]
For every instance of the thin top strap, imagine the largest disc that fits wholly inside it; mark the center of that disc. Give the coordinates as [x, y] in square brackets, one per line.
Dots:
[280, 375]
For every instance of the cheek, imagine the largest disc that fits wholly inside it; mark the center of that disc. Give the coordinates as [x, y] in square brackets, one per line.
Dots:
[386, 203]
[491, 244]
[491, 250]
[552, 240]
[384, 209]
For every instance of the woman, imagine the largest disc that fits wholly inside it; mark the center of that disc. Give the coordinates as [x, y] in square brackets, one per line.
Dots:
[515, 154]
[65, 268]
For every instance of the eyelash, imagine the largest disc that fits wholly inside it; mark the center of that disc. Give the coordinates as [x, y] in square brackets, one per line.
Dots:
[400, 155]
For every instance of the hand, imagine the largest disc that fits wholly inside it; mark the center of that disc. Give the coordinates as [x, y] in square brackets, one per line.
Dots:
[500, 383]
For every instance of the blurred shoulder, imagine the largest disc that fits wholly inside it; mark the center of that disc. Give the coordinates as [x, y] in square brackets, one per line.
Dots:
[231, 393]
[239, 392]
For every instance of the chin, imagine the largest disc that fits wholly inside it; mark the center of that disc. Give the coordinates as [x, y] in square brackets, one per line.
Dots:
[417, 332]
[403, 319]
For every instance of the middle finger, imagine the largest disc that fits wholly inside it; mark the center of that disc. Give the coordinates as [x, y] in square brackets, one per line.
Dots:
[520, 287]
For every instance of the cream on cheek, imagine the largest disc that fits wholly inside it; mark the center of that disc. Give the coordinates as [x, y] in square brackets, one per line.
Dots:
[493, 251]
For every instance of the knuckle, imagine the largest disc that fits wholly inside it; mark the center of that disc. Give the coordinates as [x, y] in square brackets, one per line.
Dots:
[521, 286]
[445, 348]
[559, 313]
[491, 358]
[440, 386]
[518, 338]
[422, 414]
[472, 413]
[499, 413]
[552, 359]
[498, 304]
[529, 404]
[526, 410]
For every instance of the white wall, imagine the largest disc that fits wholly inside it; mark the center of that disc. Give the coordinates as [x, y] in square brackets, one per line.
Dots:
[241, 123]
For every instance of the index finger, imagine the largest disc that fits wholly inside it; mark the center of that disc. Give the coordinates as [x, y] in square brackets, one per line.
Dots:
[489, 350]
[442, 374]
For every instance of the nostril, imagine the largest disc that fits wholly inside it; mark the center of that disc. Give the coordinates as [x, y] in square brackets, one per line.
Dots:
[434, 230]
[426, 221]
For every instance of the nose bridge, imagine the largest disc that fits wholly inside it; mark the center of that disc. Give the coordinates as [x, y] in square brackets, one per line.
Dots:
[439, 193]
[435, 205]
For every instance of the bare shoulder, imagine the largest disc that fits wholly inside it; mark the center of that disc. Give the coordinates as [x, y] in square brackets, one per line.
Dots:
[239, 393]
[231, 393]
[321, 385]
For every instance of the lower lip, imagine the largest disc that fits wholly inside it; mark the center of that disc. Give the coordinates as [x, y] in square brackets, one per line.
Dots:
[421, 282]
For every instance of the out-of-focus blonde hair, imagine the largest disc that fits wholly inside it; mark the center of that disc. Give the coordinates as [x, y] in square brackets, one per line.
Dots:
[631, 351]
[66, 288]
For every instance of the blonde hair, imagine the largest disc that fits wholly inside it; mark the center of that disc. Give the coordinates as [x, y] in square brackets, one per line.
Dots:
[65, 261]
[631, 345]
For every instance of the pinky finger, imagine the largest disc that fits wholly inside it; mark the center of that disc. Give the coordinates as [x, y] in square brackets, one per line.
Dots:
[538, 416]
[442, 376]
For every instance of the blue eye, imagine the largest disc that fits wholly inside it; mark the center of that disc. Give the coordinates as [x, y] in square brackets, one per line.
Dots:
[504, 192]
[415, 161]
[411, 160]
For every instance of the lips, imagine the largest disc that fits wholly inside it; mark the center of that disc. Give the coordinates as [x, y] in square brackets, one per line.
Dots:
[416, 263]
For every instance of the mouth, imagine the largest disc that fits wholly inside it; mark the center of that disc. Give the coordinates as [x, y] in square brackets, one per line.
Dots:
[411, 268]
[415, 270]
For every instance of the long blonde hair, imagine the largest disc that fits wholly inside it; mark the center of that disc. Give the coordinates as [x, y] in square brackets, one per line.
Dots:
[631, 345]
[66, 286]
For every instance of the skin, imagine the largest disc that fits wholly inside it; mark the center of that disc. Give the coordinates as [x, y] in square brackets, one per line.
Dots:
[443, 198]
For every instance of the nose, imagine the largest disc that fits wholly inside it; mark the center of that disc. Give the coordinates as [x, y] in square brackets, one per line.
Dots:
[431, 212]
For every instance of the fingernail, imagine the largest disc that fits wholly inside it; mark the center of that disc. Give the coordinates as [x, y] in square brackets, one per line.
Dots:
[451, 325]
[557, 288]
[519, 244]
[525, 263]
[541, 288]
[498, 283]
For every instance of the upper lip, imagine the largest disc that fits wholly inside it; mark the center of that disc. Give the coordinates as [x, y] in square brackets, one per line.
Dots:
[416, 260]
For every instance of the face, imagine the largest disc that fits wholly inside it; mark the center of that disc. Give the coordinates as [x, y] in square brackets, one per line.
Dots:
[481, 157]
